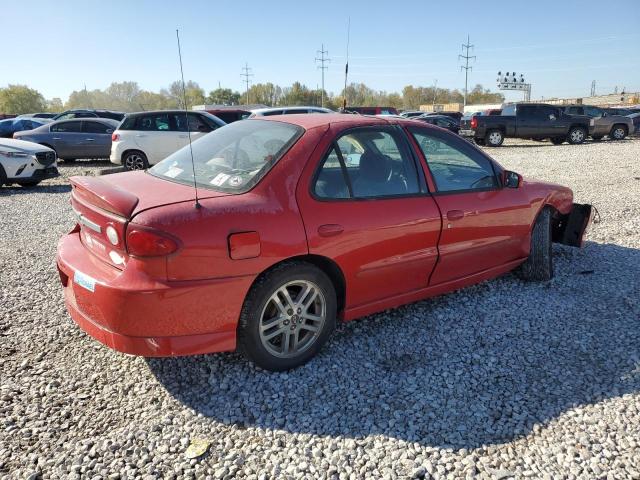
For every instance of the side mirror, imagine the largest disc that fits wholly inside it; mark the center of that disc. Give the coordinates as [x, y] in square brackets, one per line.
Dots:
[511, 179]
[552, 116]
[604, 114]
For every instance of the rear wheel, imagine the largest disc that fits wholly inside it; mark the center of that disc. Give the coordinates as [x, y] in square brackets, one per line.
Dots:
[558, 140]
[618, 132]
[576, 135]
[539, 264]
[494, 138]
[287, 316]
[135, 160]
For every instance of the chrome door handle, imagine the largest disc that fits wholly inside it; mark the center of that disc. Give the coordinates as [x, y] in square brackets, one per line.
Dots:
[90, 140]
[140, 136]
[57, 138]
[330, 230]
[455, 214]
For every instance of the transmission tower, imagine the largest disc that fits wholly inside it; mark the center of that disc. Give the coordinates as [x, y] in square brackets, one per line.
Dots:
[322, 60]
[465, 48]
[593, 88]
[246, 73]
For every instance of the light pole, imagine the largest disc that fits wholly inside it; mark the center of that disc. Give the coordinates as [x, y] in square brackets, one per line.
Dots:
[511, 81]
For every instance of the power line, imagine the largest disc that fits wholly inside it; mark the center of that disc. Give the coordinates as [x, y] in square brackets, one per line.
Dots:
[465, 48]
[322, 60]
[246, 73]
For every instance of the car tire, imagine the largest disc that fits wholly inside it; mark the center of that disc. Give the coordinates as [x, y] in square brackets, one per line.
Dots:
[558, 140]
[3, 176]
[597, 138]
[494, 138]
[539, 264]
[576, 135]
[135, 160]
[479, 141]
[618, 132]
[268, 319]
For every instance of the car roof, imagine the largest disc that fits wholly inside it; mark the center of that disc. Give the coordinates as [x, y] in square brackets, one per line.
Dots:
[313, 120]
[290, 107]
[110, 121]
[155, 112]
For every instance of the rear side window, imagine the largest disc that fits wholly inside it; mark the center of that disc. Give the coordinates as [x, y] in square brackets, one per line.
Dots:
[371, 163]
[158, 122]
[67, 127]
[509, 110]
[196, 122]
[96, 127]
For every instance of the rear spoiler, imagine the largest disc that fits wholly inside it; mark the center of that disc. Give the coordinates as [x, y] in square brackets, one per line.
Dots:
[101, 194]
[571, 228]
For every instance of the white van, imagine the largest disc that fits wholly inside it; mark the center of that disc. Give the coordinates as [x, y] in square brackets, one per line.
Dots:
[145, 138]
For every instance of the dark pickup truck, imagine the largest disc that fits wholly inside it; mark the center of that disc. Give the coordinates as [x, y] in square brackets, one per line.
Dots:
[526, 120]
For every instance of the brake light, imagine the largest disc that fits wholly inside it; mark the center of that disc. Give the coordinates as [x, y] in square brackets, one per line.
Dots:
[147, 242]
[474, 122]
[115, 137]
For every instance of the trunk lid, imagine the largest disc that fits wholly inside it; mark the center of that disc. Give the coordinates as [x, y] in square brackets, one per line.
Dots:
[106, 204]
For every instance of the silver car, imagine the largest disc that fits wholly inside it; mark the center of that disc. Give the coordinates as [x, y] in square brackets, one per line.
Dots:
[603, 123]
[77, 138]
[264, 112]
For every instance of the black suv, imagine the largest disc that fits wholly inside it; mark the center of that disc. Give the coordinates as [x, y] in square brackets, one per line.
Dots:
[82, 113]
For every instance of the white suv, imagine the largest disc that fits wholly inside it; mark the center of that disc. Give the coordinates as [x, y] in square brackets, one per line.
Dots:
[25, 163]
[145, 138]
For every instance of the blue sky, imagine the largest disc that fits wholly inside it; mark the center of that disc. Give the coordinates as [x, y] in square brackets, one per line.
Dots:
[560, 46]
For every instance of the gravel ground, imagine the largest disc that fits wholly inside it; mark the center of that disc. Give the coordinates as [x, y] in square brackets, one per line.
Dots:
[502, 380]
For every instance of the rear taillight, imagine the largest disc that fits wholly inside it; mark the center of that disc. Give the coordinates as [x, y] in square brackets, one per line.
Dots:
[474, 122]
[115, 137]
[147, 242]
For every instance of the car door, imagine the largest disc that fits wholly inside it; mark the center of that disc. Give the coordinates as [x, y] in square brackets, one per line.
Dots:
[552, 122]
[373, 217]
[484, 225]
[97, 138]
[66, 138]
[197, 126]
[155, 135]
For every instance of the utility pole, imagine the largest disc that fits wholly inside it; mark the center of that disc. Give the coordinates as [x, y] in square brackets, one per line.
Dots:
[465, 48]
[593, 88]
[435, 90]
[246, 73]
[346, 67]
[322, 60]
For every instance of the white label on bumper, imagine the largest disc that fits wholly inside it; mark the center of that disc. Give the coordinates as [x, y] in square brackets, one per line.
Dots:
[84, 281]
[467, 133]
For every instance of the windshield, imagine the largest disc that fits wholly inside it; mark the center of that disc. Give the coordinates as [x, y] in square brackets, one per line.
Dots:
[232, 158]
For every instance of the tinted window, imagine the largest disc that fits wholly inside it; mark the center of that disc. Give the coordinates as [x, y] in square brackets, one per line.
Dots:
[509, 110]
[593, 111]
[330, 181]
[96, 127]
[575, 111]
[67, 127]
[231, 159]
[453, 169]
[377, 165]
[5, 125]
[157, 122]
[273, 112]
[196, 122]
[544, 112]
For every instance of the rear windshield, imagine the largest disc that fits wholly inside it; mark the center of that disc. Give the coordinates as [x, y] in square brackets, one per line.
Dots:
[232, 158]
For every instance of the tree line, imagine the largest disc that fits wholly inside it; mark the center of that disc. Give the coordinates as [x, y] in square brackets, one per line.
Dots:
[129, 97]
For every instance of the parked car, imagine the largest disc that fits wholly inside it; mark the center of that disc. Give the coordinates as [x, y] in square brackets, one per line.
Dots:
[13, 125]
[25, 163]
[37, 115]
[440, 121]
[265, 112]
[285, 238]
[535, 121]
[229, 115]
[635, 118]
[83, 113]
[412, 113]
[493, 111]
[602, 122]
[73, 139]
[453, 114]
[145, 138]
[373, 110]
[619, 111]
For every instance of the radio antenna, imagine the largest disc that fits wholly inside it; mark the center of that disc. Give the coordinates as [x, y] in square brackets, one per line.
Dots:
[346, 67]
[186, 118]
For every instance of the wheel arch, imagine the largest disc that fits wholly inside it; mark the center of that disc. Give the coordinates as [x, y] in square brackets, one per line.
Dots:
[623, 125]
[129, 150]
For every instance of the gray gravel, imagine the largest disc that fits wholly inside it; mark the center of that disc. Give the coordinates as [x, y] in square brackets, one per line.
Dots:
[502, 380]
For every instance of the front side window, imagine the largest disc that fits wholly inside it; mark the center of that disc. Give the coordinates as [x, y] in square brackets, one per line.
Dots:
[158, 122]
[575, 111]
[376, 164]
[452, 169]
[67, 127]
[96, 127]
[593, 111]
[231, 159]
[196, 122]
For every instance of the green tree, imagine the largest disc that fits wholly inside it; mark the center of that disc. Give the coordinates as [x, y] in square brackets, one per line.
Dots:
[18, 99]
[55, 105]
[194, 93]
[223, 96]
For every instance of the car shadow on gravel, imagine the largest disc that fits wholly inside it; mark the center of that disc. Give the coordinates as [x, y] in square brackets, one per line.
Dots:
[41, 188]
[481, 366]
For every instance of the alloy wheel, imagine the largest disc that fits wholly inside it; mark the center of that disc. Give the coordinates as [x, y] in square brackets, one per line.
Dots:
[618, 133]
[134, 162]
[494, 138]
[292, 318]
[577, 136]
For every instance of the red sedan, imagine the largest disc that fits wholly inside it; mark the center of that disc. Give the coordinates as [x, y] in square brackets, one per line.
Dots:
[279, 227]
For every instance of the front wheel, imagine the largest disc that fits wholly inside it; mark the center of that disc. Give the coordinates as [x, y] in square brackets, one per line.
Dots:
[618, 132]
[539, 264]
[287, 316]
[576, 135]
[494, 138]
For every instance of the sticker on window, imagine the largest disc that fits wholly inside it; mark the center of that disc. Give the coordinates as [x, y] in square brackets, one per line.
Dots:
[173, 172]
[235, 181]
[219, 179]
